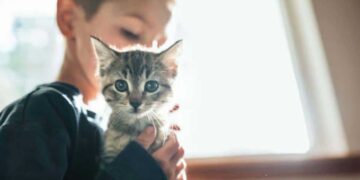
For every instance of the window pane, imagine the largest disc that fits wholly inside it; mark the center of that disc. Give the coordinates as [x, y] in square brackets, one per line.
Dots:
[31, 48]
[238, 91]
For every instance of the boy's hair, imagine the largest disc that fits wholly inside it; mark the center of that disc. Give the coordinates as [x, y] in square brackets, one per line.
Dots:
[90, 6]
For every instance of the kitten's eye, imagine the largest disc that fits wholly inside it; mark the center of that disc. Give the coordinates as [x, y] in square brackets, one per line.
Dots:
[151, 86]
[121, 85]
[130, 35]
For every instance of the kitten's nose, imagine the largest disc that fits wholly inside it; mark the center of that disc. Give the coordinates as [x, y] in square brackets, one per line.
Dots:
[135, 104]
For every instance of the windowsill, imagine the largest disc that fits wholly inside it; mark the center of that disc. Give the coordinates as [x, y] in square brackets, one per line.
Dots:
[271, 166]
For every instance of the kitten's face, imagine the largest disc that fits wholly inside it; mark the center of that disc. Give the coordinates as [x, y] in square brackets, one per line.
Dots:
[136, 82]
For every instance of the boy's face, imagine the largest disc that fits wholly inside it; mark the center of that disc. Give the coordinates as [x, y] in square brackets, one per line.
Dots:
[121, 23]
[126, 22]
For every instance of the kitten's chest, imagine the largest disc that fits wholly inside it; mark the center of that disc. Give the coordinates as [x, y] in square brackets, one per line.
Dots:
[132, 127]
[120, 132]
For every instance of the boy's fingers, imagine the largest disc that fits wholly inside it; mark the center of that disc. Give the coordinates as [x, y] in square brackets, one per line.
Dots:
[175, 127]
[181, 166]
[169, 149]
[147, 137]
[175, 108]
[181, 175]
[177, 157]
[169, 157]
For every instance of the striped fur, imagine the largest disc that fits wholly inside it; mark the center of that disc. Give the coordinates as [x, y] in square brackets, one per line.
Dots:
[136, 67]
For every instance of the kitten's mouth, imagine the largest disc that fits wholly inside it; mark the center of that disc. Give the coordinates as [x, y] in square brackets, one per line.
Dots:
[136, 112]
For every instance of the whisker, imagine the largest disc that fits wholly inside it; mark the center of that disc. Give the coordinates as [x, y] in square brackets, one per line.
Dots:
[149, 119]
[161, 124]
[157, 118]
[154, 118]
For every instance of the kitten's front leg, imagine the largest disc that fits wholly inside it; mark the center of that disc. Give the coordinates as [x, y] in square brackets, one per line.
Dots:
[115, 142]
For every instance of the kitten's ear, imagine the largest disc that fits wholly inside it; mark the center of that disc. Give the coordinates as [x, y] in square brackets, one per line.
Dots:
[103, 53]
[170, 55]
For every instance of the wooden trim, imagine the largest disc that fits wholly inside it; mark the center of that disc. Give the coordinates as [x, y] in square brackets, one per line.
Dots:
[281, 166]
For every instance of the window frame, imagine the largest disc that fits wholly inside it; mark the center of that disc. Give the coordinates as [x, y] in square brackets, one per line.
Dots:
[312, 72]
[270, 166]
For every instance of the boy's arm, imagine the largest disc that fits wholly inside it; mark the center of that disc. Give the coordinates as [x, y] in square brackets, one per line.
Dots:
[133, 163]
[36, 142]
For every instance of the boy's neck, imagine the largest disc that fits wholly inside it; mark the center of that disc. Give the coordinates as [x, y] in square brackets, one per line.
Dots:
[72, 73]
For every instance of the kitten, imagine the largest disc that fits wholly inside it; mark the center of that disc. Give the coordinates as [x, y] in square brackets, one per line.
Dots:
[136, 84]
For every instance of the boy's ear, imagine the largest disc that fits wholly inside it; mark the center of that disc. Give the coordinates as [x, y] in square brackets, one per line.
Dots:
[170, 55]
[103, 53]
[65, 17]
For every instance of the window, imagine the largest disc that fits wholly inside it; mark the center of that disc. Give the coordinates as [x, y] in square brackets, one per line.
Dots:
[238, 91]
[29, 42]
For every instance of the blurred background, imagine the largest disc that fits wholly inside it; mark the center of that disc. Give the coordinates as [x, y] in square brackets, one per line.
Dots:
[31, 47]
[259, 78]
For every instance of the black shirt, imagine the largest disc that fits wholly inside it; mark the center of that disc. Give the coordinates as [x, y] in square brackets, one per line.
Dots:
[48, 134]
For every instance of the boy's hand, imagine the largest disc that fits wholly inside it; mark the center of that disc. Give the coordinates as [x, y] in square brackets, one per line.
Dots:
[170, 156]
[147, 137]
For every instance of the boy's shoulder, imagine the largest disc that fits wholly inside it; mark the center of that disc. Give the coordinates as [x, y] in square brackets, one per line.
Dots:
[48, 101]
[45, 122]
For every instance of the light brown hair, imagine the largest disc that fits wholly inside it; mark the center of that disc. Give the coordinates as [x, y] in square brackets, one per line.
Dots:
[90, 6]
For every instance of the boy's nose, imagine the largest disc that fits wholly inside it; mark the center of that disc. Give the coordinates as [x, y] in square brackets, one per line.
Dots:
[154, 41]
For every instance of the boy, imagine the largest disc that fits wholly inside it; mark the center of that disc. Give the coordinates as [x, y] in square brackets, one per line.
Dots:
[48, 134]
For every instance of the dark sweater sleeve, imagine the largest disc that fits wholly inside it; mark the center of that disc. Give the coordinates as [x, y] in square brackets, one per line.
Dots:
[37, 140]
[34, 142]
[133, 163]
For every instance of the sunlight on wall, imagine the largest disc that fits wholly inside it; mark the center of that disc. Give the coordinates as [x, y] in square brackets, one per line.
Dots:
[238, 91]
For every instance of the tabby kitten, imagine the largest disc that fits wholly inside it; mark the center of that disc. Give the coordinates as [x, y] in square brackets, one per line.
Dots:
[136, 83]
